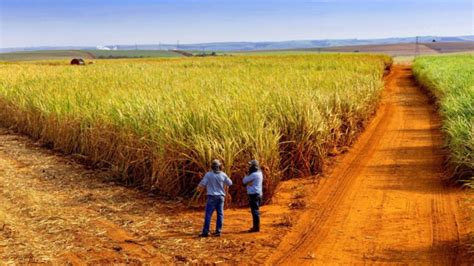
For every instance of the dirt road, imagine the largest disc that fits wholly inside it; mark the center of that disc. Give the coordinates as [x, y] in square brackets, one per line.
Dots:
[386, 201]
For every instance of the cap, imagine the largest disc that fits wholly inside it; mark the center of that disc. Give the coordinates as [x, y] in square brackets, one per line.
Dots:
[254, 163]
[216, 163]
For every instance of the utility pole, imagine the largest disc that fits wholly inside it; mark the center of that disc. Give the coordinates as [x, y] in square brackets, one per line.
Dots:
[417, 48]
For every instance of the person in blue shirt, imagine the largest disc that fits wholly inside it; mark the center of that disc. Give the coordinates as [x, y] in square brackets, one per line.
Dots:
[254, 181]
[214, 182]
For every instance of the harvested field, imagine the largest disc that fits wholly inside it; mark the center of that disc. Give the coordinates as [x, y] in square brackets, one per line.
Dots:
[451, 47]
[57, 211]
[402, 49]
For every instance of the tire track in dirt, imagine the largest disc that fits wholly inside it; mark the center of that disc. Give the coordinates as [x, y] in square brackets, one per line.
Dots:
[386, 200]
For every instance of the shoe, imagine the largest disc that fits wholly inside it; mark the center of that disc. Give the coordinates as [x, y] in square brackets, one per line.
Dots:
[203, 235]
[253, 230]
[216, 234]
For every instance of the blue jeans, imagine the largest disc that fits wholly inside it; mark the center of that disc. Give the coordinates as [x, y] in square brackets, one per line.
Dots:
[214, 203]
[255, 200]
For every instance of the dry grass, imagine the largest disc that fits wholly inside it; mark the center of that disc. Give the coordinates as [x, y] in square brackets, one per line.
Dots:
[297, 204]
[284, 221]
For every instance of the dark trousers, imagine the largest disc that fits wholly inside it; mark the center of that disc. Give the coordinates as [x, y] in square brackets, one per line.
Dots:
[255, 200]
[214, 203]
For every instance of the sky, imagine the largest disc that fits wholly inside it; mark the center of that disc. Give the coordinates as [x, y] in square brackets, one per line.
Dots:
[26, 23]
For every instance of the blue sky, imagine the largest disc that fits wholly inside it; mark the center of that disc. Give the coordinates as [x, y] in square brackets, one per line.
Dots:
[106, 22]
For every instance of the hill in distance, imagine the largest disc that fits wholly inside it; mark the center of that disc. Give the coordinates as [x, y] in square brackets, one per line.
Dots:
[255, 46]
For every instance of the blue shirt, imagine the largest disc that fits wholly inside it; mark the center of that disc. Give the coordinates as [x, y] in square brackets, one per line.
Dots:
[256, 178]
[214, 183]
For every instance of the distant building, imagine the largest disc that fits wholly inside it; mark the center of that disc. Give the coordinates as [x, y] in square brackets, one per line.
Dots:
[99, 47]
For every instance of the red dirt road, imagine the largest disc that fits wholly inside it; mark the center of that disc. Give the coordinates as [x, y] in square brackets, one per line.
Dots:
[386, 201]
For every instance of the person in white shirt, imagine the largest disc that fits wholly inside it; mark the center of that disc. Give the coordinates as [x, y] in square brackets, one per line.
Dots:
[254, 183]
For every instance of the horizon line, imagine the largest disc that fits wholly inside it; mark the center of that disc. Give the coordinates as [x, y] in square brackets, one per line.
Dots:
[253, 42]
